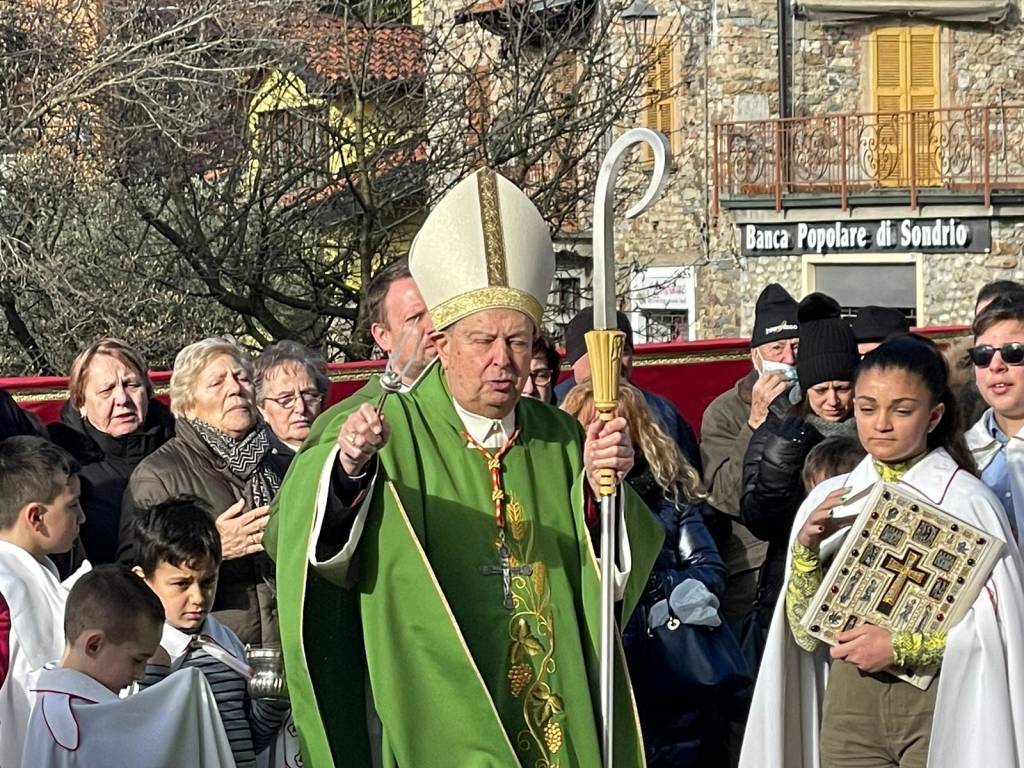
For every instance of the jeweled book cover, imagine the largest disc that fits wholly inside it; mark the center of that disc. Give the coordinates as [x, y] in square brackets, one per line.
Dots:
[905, 565]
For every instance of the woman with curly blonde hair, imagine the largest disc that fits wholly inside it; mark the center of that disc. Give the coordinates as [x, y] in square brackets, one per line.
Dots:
[673, 474]
[677, 731]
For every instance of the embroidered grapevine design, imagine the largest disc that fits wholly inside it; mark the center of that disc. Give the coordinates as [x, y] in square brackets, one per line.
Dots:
[531, 651]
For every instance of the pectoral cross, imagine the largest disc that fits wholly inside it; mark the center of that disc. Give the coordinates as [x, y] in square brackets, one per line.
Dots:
[905, 572]
[506, 570]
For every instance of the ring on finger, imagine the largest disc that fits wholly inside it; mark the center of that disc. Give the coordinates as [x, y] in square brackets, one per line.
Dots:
[351, 438]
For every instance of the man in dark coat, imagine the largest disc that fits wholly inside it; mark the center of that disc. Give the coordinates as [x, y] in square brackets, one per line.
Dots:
[726, 429]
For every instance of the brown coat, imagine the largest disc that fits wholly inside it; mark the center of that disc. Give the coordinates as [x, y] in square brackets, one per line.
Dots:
[185, 466]
[724, 436]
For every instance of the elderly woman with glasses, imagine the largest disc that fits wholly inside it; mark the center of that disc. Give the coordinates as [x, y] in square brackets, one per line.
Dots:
[291, 384]
[224, 455]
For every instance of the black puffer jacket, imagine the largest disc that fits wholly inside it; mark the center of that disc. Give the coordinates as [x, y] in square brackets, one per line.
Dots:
[772, 493]
[185, 466]
[107, 463]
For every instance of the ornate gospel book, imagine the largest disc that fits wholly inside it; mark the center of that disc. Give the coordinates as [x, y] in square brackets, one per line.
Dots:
[905, 565]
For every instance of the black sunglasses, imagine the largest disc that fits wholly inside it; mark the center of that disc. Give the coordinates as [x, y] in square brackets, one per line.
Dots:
[1012, 354]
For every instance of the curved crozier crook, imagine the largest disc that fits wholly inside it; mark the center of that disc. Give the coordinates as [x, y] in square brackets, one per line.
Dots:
[659, 146]
[604, 205]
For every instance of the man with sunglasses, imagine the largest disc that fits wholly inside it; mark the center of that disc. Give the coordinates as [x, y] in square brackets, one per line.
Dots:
[997, 439]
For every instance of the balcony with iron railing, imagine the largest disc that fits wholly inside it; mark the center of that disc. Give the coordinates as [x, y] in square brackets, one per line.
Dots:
[972, 155]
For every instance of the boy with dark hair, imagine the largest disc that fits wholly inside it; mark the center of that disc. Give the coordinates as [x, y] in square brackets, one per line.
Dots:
[997, 289]
[831, 457]
[177, 552]
[39, 516]
[112, 627]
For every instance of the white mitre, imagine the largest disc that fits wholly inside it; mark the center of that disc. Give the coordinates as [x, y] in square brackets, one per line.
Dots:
[484, 246]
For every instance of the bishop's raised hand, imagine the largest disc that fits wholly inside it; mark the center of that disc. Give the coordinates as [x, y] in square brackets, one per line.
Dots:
[362, 435]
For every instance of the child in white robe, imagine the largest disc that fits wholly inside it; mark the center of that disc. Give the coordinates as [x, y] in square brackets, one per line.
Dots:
[112, 627]
[39, 516]
[177, 552]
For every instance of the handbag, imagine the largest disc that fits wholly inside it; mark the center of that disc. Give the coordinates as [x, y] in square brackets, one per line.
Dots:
[687, 658]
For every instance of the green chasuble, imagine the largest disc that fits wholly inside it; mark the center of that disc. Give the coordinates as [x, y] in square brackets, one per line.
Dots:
[457, 678]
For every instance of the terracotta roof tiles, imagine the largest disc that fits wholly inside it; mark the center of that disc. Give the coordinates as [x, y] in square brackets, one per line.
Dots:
[338, 51]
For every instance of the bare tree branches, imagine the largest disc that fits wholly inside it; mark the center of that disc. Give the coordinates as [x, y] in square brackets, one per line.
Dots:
[174, 169]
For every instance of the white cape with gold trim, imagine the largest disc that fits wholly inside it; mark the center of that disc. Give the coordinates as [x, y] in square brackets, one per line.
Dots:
[979, 712]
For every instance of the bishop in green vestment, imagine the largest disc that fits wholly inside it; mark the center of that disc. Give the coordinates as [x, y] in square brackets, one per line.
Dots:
[458, 601]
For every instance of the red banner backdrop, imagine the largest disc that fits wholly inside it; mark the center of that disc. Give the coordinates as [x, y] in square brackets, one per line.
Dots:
[691, 374]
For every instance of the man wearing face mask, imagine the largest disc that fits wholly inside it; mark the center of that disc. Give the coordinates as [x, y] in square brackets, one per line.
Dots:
[726, 429]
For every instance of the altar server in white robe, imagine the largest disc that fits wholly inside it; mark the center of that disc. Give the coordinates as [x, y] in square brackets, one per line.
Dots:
[815, 706]
[39, 516]
[113, 625]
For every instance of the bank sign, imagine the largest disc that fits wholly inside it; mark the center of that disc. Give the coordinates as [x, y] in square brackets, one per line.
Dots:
[947, 235]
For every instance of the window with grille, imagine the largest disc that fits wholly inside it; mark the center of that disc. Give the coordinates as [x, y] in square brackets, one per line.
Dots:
[666, 325]
[906, 99]
[567, 295]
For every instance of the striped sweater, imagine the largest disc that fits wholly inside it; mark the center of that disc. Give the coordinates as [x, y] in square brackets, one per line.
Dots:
[213, 649]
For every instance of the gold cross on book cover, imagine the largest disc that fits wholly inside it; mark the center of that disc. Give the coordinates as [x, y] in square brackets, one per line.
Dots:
[905, 565]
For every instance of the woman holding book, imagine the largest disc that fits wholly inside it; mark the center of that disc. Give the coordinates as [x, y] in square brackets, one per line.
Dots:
[842, 707]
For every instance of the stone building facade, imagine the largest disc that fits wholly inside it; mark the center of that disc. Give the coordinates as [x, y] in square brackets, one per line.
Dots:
[912, 115]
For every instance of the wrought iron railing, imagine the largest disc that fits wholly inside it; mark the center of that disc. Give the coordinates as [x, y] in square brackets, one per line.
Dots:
[974, 150]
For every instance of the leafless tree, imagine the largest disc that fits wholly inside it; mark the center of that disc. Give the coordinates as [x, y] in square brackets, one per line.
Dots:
[175, 168]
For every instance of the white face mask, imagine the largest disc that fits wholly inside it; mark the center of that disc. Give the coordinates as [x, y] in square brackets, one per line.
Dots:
[787, 370]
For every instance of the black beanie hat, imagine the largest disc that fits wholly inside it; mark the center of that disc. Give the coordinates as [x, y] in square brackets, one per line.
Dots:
[879, 323]
[583, 323]
[828, 348]
[774, 316]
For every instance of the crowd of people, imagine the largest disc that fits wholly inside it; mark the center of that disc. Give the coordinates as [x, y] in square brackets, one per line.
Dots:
[425, 560]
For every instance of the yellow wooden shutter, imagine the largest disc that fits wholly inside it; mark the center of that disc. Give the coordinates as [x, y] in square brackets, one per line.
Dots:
[889, 102]
[564, 74]
[906, 80]
[478, 101]
[659, 96]
[923, 98]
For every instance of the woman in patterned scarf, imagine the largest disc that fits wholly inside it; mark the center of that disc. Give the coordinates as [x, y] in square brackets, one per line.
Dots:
[224, 455]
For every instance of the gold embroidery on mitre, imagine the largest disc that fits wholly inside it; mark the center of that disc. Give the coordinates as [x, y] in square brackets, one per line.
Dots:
[495, 297]
[531, 652]
[490, 220]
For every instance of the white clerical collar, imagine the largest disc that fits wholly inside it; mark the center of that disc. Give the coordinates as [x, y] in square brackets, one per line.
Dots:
[490, 433]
